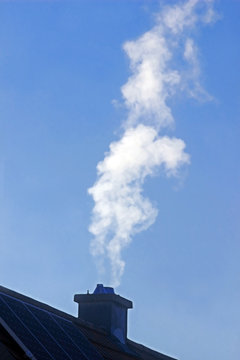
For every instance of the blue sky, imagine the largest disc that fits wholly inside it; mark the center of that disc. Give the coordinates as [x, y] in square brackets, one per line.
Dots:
[61, 65]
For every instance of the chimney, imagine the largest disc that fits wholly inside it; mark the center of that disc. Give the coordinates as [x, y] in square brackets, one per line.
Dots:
[105, 309]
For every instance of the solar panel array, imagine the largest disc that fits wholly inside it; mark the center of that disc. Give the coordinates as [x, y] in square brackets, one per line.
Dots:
[47, 335]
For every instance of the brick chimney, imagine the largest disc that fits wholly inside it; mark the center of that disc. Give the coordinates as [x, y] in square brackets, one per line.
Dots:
[105, 309]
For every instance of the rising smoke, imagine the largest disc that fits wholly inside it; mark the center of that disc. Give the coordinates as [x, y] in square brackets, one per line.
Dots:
[120, 209]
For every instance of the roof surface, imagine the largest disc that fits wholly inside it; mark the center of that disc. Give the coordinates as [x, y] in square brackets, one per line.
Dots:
[33, 330]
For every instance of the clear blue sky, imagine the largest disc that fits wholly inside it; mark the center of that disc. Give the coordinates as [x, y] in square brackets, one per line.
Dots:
[61, 65]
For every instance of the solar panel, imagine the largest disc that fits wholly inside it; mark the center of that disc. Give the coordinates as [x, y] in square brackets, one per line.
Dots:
[57, 334]
[78, 338]
[22, 332]
[46, 335]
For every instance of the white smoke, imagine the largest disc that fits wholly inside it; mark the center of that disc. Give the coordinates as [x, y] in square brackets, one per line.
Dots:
[120, 209]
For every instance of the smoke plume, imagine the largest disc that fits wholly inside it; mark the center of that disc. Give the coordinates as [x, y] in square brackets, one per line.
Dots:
[120, 209]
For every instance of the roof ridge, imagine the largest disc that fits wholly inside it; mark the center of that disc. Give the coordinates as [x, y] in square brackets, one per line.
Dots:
[36, 303]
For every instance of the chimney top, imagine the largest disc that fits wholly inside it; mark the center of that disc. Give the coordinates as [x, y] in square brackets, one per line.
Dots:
[104, 295]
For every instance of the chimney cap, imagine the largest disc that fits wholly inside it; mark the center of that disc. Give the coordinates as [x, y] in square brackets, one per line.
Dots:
[103, 294]
[100, 289]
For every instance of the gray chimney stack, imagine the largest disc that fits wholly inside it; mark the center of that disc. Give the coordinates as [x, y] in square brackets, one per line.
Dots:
[105, 309]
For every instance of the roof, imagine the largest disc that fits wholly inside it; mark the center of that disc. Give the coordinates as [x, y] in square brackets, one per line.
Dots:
[33, 330]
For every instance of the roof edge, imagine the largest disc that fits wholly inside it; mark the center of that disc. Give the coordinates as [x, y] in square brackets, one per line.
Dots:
[142, 348]
[36, 303]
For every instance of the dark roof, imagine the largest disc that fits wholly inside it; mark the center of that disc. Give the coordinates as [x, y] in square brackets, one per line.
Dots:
[147, 353]
[33, 330]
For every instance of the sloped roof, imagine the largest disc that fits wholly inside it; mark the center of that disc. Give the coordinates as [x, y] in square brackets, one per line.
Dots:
[146, 353]
[33, 330]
